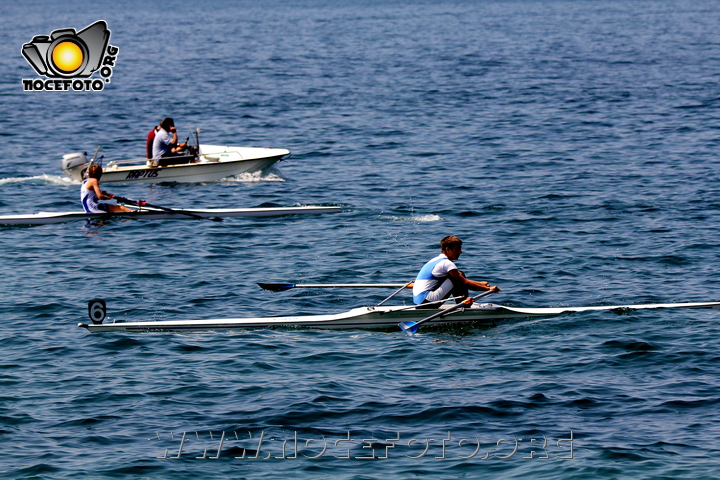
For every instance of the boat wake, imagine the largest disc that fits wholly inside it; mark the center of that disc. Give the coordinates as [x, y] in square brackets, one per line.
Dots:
[413, 218]
[249, 177]
[254, 177]
[39, 180]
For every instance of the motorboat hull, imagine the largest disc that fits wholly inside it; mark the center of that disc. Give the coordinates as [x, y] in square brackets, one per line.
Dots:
[213, 164]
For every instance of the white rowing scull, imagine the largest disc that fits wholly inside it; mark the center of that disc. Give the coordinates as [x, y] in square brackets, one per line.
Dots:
[149, 213]
[377, 317]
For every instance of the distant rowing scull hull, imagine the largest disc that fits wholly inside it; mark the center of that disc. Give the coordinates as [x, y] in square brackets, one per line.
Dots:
[44, 218]
[373, 318]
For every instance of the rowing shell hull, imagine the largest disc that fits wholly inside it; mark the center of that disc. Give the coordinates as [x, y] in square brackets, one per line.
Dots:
[44, 218]
[373, 318]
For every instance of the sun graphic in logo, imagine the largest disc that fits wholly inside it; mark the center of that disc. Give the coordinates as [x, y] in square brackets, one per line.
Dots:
[67, 56]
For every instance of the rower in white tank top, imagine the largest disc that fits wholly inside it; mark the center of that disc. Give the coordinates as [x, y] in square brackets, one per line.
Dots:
[91, 195]
[90, 201]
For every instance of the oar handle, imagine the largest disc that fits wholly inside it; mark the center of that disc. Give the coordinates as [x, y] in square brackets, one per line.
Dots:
[128, 201]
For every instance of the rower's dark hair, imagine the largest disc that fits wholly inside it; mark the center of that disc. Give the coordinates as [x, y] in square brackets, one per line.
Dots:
[94, 171]
[166, 123]
[451, 241]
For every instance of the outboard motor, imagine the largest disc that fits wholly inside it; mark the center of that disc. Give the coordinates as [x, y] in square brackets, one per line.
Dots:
[74, 165]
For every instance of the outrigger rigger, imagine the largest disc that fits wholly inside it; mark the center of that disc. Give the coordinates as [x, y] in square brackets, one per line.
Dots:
[379, 317]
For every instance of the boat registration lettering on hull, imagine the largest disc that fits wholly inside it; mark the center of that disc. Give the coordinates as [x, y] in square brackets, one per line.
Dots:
[142, 174]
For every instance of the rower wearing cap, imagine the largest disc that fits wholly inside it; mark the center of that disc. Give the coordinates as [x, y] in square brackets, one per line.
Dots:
[440, 278]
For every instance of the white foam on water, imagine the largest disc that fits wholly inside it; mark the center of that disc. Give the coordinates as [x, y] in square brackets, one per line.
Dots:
[42, 179]
[413, 218]
[254, 177]
[426, 218]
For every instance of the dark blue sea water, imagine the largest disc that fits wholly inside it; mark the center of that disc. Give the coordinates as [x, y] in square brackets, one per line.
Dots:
[573, 146]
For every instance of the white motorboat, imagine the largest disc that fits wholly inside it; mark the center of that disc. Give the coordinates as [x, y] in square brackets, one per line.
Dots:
[212, 163]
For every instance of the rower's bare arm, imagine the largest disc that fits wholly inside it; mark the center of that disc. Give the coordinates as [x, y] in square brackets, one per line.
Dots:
[480, 286]
[472, 284]
[94, 185]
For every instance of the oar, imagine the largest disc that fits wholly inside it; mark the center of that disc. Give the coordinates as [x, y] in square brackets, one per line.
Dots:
[94, 156]
[407, 285]
[410, 327]
[143, 203]
[281, 287]
[417, 307]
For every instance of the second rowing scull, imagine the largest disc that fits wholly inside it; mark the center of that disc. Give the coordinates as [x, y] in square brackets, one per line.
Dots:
[147, 213]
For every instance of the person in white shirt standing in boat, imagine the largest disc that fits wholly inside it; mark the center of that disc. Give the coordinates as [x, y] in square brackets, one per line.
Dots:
[90, 194]
[440, 278]
[165, 143]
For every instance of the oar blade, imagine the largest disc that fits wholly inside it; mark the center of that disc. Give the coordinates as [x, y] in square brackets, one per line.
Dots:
[412, 327]
[409, 327]
[276, 287]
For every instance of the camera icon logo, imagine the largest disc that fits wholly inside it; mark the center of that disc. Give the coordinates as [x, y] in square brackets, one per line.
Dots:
[68, 54]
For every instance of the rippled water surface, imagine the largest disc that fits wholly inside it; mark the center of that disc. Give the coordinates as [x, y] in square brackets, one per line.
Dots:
[571, 144]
